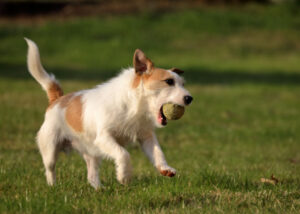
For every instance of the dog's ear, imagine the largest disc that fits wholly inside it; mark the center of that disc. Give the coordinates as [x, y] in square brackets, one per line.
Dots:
[141, 63]
[177, 71]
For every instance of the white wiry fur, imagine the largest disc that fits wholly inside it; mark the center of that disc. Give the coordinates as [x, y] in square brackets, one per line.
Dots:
[113, 114]
[35, 67]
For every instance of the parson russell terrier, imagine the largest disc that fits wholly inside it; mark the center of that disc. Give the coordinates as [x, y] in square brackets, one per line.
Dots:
[99, 122]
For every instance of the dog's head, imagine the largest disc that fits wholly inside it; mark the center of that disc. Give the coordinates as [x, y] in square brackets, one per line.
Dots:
[160, 86]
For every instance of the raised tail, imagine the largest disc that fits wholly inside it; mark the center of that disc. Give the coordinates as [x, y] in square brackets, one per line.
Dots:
[48, 82]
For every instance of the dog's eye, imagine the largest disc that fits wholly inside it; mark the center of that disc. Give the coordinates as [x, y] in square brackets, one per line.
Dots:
[170, 82]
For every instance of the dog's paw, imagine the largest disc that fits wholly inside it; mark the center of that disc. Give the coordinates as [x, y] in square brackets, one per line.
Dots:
[124, 180]
[167, 171]
[100, 187]
[124, 177]
[96, 184]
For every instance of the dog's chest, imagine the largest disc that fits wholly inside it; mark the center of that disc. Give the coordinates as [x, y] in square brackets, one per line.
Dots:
[128, 131]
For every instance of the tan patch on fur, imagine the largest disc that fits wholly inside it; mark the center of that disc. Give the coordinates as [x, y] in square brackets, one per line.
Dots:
[167, 173]
[136, 81]
[156, 79]
[74, 113]
[54, 92]
[63, 101]
[153, 80]
[158, 74]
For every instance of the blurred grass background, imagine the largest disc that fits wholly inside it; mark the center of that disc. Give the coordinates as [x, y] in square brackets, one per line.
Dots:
[242, 66]
[252, 39]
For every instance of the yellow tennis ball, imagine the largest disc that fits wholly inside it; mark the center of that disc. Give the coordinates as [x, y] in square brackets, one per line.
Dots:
[173, 111]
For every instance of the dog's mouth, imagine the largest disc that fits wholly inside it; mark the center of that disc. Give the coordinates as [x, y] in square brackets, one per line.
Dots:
[161, 117]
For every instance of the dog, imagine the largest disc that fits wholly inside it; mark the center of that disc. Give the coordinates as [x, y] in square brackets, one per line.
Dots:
[99, 122]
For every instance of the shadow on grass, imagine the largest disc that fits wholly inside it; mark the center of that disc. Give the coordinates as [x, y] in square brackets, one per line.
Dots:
[193, 75]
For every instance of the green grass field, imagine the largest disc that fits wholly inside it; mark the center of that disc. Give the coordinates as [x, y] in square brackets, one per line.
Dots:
[243, 69]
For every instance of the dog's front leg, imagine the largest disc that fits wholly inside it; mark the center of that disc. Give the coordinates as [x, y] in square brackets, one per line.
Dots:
[110, 148]
[153, 151]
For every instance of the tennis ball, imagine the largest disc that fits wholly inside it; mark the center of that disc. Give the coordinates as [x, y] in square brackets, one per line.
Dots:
[173, 111]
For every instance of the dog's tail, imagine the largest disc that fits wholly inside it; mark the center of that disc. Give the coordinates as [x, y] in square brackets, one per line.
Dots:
[48, 82]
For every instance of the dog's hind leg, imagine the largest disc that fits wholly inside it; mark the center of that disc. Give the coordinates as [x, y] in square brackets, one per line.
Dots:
[92, 164]
[48, 141]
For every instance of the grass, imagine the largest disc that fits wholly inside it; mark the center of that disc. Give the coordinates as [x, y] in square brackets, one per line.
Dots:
[242, 68]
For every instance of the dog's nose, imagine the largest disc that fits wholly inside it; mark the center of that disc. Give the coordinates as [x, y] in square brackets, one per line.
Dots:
[187, 99]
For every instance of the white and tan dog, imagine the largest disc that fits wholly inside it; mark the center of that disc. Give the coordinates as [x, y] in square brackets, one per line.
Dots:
[99, 122]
